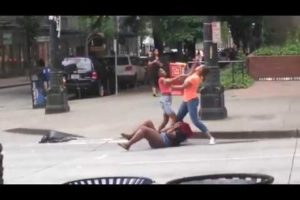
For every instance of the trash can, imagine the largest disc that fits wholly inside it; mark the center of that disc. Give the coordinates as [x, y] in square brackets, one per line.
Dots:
[112, 181]
[1, 165]
[224, 179]
[38, 91]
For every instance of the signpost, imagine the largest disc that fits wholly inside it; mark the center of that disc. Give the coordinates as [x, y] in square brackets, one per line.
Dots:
[216, 32]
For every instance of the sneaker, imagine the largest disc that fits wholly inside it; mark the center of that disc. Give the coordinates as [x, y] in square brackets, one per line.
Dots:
[212, 141]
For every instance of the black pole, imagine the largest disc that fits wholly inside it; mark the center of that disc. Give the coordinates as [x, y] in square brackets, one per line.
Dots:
[57, 98]
[212, 92]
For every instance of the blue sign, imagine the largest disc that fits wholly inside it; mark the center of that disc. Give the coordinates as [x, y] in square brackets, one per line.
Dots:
[38, 92]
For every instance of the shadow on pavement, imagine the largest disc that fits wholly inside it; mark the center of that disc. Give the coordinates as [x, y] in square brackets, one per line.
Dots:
[39, 132]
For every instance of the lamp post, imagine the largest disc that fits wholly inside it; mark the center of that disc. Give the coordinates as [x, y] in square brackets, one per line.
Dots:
[212, 92]
[57, 98]
[253, 38]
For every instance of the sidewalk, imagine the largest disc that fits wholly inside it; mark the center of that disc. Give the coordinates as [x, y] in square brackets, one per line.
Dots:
[14, 82]
[266, 110]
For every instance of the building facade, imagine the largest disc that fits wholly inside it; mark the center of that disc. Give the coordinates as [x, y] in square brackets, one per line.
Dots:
[13, 53]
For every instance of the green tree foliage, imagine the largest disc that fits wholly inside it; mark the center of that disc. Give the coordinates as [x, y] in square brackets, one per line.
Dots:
[173, 30]
[101, 23]
[290, 47]
[243, 32]
[181, 28]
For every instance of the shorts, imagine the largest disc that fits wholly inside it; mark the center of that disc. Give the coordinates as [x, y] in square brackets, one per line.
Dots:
[165, 139]
[166, 104]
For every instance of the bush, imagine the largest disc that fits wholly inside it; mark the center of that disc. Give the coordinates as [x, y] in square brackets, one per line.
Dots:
[239, 81]
[290, 47]
[287, 49]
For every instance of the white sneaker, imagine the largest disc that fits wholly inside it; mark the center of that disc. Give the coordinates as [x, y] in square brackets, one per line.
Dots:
[212, 141]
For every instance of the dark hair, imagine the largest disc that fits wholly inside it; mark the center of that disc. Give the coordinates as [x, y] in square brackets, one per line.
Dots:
[182, 132]
[179, 138]
[204, 72]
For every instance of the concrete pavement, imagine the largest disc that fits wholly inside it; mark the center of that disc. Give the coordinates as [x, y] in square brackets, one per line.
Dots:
[33, 163]
[14, 82]
[100, 120]
[275, 112]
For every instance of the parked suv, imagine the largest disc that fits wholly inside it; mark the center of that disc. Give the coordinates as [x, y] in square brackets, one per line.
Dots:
[129, 69]
[83, 73]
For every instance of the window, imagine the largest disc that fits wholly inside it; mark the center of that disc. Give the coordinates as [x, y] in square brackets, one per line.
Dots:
[134, 60]
[82, 64]
[123, 61]
[64, 22]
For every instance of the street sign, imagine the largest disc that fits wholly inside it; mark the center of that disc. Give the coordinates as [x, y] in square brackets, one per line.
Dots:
[7, 38]
[177, 69]
[216, 32]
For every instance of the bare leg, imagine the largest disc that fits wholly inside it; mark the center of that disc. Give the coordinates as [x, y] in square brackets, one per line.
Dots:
[154, 91]
[152, 136]
[164, 122]
[173, 118]
[147, 123]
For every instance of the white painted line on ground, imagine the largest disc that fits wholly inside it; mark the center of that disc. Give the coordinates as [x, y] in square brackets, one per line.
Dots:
[101, 157]
[72, 142]
[203, 160]
[118, 141]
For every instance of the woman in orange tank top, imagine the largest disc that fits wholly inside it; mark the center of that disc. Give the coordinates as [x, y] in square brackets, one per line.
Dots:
[191, 100]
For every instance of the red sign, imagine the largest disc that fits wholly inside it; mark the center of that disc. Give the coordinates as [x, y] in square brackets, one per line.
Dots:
[177, 69]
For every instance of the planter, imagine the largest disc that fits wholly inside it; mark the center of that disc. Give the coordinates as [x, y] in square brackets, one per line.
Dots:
[275, 67]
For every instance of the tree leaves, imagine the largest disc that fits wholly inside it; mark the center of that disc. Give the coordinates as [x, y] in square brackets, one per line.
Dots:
[243, 32]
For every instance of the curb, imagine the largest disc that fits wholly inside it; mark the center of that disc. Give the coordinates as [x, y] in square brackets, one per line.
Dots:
[16, 85]
[250, 134]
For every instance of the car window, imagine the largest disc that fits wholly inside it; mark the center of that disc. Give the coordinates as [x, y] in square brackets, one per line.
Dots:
[143, 61]
[134, 61]
[82, 64]
[123, 61]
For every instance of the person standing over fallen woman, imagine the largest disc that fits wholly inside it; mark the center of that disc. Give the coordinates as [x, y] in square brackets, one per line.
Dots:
[168, 137]
[164, 84]
[190, 99]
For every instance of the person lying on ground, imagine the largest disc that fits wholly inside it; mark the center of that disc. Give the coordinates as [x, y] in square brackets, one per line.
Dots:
[168, 137]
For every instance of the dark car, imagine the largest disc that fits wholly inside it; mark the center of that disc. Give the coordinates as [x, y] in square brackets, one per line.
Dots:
[84, 74]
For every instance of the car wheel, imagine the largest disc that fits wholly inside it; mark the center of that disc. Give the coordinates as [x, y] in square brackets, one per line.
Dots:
[100, 90]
